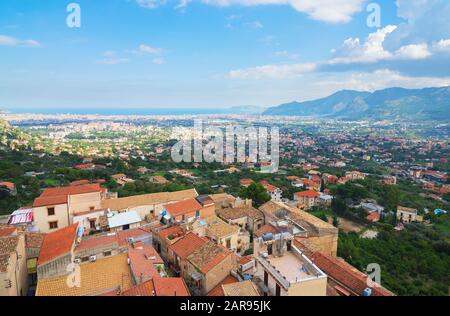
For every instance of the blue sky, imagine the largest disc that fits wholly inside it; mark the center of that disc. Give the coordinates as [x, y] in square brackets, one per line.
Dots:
[215, 53]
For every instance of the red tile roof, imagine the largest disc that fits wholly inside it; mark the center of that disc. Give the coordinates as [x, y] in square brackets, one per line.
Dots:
[55, 196]
[183, 207]
[7, 231]
[143, 289]
[309, 193]
[124, 235]
[57, 244]
[343, 273]
[373, 217]
[143, 260]
[170, 287]
[187, 245]
[246, 181]
[265, 229]
[174, 231]
[97, 241]
[218, 290]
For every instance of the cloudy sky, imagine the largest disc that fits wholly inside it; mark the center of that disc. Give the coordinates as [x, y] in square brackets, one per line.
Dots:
[215, 53]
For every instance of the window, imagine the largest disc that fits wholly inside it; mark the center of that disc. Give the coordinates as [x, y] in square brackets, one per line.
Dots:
[277, 290]
[91, 208]
[50, 211]
[107, 253]
[197, 214]
[53, 225]
[228, 243]
[92, 224]
[84, 259]
[269, 249]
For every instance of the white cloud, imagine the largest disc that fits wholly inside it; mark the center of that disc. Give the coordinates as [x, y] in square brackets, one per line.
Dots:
[254, 25]
[113, 61]
[12, 41]
[379, 79]
[332, 11]
[413, 51]
[372, 50]
[150, 4]
[150, 50]
[442, 45]
[353, 51]
[272, 71]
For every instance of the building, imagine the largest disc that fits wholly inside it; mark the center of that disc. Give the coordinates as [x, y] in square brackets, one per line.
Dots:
[239, 289]
[408, 215]
[13, 262]
[188, 210]
[111, 274]
[308, 198]
[285, 218]
[274, 192]
[245, 216]
[55, 208]
[57, 252]
[245, 182]
[202, 263]
[229, 236]
[10, 187]
[148, 206]
[123, 221]
[282, 269]
[343, 279]
[207, 266]
[159, 180]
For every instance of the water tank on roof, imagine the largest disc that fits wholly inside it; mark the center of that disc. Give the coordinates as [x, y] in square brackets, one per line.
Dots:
[268, 236]
[367, 292]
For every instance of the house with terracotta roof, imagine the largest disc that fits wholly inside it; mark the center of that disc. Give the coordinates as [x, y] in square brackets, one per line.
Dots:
[247, 217]
[245, 182]
[57, 252]
[309, 198]
[13, 262]
[202, 263]
[109, 244]
[56, 207]
[145, 262]
[244, 288]
[187, 210]
[227, 235]
[101, 277]
[156, 287]
[218, 289]
[10, 187]
[148, 206]
[165, 236]
[343, 279]
[274, 192]
[181, 249]
[207, 266]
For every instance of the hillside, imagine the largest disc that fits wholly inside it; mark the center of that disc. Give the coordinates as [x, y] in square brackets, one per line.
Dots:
[392, 103]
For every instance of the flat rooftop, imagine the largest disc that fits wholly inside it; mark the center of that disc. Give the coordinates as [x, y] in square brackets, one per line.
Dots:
[294, 267]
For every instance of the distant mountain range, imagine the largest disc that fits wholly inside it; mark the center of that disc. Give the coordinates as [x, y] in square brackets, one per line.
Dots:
[392, 103]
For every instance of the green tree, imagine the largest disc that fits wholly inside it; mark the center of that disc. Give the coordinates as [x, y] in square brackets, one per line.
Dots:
[256, 192]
